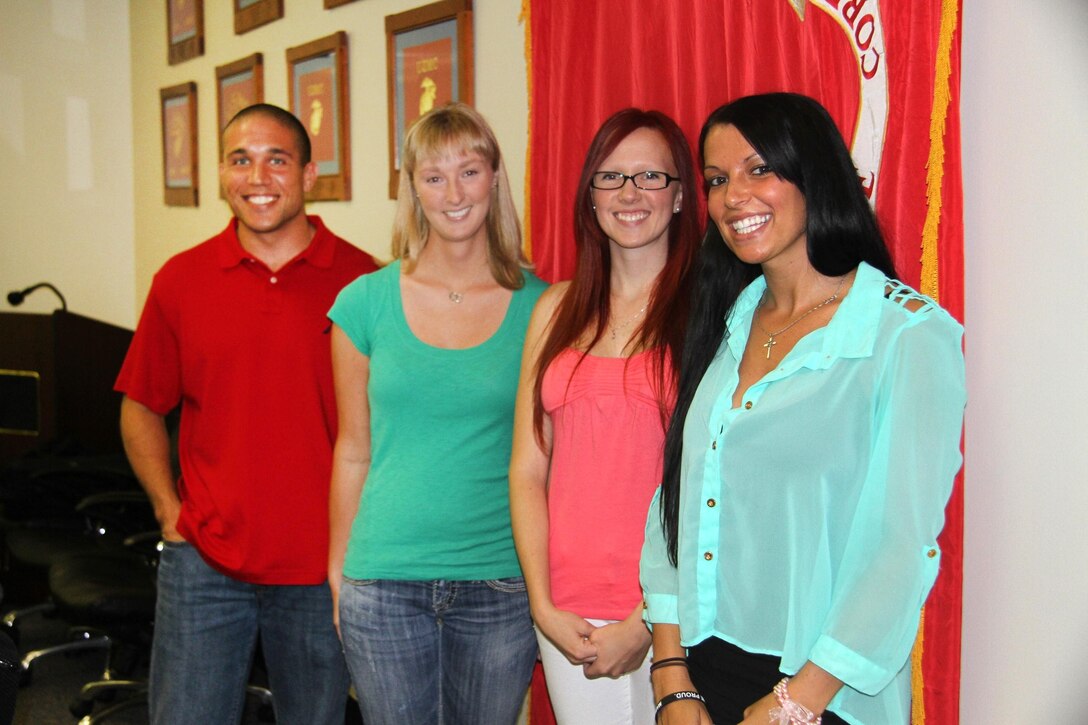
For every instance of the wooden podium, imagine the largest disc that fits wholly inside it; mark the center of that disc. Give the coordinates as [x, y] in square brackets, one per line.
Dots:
[56, 383]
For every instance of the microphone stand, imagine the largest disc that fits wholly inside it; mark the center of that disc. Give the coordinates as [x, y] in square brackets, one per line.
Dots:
[16, 297]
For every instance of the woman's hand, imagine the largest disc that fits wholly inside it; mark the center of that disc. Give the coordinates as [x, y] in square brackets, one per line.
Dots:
[760, 710]
[813, 688]
[569, 632]
[621, 647]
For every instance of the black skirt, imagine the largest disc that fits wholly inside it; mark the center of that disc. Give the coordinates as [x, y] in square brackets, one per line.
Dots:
[731, 679]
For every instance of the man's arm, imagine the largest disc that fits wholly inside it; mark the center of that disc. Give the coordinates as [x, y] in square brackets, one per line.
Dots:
[147, 445]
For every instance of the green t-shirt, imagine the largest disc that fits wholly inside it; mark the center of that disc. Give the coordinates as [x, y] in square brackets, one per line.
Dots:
[435, 504]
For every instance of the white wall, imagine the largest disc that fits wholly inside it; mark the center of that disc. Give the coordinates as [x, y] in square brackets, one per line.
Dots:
[1025, 159]
[66, 207]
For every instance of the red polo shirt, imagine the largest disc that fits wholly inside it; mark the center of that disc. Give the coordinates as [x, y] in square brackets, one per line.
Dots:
[245, 351]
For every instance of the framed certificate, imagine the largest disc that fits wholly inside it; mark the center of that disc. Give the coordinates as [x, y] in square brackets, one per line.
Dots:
[184, 30]
[180, 170]
[429, 63]
[239, 84]
[317, 80]
[250, 14]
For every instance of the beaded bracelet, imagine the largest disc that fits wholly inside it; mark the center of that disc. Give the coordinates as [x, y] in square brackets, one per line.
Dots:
[676, 697]
[669, 662]
[789, 712]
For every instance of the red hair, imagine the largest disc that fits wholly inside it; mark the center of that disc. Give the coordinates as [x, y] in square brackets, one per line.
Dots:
[587, 302]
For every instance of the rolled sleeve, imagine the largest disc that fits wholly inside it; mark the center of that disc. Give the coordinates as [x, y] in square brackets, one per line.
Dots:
[656, 573]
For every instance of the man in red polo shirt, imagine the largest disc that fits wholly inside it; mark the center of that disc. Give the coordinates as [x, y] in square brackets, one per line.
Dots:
[234, 330]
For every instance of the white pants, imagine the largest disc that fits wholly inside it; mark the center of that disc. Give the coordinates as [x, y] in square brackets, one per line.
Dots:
[578, 700]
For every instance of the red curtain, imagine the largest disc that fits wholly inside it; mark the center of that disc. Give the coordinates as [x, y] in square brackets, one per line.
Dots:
[887, 70]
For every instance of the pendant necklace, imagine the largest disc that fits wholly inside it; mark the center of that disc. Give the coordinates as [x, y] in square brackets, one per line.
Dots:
[772, 335]
[457, 297]
[614, 329]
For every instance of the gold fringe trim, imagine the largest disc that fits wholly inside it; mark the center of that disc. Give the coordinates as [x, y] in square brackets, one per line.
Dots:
[917, 685]
[526, 227]
[930, 280]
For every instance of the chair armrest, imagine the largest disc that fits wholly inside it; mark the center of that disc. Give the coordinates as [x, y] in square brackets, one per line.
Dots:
[110, 498]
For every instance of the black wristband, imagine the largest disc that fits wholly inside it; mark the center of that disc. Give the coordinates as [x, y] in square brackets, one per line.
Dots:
[676, 697]
[669, 662]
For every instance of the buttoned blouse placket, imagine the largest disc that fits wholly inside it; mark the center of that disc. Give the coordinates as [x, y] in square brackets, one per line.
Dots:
[721, 421]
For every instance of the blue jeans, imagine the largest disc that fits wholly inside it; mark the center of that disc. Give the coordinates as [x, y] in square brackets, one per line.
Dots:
[206, 627]
[438, 652]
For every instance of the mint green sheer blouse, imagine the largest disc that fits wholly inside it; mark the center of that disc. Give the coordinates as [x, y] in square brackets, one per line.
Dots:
[809, 515]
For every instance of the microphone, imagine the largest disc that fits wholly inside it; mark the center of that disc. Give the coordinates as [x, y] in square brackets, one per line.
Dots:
[16, 297]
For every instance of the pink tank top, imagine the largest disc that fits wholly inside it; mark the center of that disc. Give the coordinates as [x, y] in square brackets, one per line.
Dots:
[607, 448]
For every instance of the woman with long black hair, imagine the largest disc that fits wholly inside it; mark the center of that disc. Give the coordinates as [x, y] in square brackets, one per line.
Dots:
[813, 446]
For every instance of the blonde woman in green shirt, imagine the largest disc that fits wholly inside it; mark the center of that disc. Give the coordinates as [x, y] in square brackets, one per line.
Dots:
[813, 449]
[432, 609]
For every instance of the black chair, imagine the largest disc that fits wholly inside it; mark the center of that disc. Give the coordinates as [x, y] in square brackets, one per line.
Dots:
[107, 594]
[112, 595]
[71, 517]
[40, 520]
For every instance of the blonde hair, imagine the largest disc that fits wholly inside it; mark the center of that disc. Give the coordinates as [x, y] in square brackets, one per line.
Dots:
[457, 127]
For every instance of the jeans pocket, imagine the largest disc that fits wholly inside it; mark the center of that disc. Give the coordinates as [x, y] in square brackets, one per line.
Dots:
[510, 585]
[360, 582]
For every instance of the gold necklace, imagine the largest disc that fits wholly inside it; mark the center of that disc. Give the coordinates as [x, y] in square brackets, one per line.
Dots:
[614, 329]
[458, 297]
[772, 335]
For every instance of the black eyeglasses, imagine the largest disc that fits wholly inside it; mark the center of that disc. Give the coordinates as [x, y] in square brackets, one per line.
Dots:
[645, 180]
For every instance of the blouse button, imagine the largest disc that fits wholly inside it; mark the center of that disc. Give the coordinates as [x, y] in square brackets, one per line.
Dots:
[748, 405]
[708, 556]
[711, 503]
[714, 445]
[931, 553]
[273, 280]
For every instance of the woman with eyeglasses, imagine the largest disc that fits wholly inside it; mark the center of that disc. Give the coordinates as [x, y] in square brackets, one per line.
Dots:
[813, 448]
[432, 609]
[597, 387]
